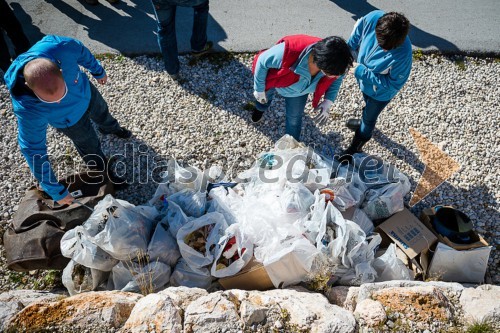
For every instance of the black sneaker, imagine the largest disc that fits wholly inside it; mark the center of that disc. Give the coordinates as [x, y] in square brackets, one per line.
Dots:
[123, 133]
[208, 46]
[257, 116]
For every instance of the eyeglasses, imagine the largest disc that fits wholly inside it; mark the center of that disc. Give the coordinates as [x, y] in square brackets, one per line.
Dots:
[57, 101]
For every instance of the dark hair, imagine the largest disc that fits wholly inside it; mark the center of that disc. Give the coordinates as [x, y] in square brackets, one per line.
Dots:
[332, 55]
[391, 30]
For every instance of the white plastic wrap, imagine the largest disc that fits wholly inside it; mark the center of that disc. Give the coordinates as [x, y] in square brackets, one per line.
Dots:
[192, 257]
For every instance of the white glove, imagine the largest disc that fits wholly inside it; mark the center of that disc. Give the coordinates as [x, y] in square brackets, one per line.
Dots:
[260, 97]
[324, 112]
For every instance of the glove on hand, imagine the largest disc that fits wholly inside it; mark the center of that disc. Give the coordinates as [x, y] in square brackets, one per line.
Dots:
[324, 112]
[260, 97]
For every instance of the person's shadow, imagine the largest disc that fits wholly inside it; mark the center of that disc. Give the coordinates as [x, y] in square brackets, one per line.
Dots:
[32, 31]
[418, 37]
[122, 26]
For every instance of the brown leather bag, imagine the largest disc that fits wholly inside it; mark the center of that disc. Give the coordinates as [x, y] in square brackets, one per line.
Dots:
[33, 239]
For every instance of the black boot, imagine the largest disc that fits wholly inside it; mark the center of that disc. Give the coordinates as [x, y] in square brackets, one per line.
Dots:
[353, 124]
[356, 146]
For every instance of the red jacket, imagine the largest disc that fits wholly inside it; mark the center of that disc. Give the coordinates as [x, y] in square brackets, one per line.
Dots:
[284, 76]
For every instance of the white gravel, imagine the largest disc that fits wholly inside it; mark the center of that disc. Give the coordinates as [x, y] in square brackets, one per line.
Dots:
[202, 121]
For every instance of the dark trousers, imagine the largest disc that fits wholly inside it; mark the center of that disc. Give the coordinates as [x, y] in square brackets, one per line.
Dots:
[13, 29]
[372, 110]
[165, 16]
[84, 136]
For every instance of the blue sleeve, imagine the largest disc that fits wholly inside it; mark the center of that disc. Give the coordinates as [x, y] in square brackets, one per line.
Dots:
[393, 81]
[355, 38]
[32, 141]
[86, 59]
[272, 58]
[333, 90]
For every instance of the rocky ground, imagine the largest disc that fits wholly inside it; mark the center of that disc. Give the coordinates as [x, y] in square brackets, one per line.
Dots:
[204, 120]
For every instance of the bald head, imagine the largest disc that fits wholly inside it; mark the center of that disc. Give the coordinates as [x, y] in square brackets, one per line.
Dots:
[45, 79]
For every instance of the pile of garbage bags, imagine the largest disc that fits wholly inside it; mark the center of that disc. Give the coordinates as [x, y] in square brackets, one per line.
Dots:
[286, 212]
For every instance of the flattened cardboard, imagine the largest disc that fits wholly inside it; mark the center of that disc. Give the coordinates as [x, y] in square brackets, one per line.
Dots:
[252, 277]
[478, 241]
[466, 266]
[408, 233]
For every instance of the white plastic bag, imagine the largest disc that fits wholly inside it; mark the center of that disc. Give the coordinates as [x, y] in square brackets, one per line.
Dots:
[142, 278]
[385, 201]
[390, 267]
[186, 276]
[343, 199]
[226, 202]
[126, 233]
[175, 218]
[78, 278]
[192, 203]
[311, 224]
[78, 245]
[364, 222]
[296, 198]
[163, 246]
[213, 226]
[234, 244]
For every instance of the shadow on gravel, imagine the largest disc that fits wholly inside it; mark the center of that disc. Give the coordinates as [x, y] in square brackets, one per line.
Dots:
[419, 37]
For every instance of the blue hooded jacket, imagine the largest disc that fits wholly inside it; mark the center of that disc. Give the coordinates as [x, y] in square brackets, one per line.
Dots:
[380, 74]
[33, 115]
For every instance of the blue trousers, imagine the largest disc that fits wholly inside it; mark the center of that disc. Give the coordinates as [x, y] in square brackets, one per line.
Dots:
[83, 134]
[294, 112]
[165, 16]
[372, 110]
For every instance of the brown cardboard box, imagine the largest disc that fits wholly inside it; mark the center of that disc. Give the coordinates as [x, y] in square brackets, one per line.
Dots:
[409, 234]
[478, 241]
[252, 277]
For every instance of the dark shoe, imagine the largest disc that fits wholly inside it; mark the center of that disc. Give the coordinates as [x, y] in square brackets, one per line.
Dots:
[353, 124]
[204, 50]
[122, 133]
[356, 146]
[257, 116]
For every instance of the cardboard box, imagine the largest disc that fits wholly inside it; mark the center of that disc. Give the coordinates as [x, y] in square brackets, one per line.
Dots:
[465, 266]
[252, 277]
[409, 234]
[477, 240]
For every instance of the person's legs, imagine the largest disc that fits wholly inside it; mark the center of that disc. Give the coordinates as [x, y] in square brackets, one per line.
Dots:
[294, 112]
[99, 113]
[200, 19]
[167, 39]
[372, 110]
[86, 142]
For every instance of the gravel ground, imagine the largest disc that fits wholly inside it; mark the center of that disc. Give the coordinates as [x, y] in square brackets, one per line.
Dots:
[203, 121]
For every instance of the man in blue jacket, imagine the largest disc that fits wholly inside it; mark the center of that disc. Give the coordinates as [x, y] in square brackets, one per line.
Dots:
[383, 52]
[47, 87]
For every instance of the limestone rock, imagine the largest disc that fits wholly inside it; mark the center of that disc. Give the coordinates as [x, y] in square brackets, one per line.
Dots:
[285, 310]
[371, 313]
[216, 312]
[14, 301]
[154, 312]
[481, 304]
[92, 311]
[183, 296]
[418, 304]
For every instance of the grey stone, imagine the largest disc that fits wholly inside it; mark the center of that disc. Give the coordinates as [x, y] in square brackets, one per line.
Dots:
[371, 312]
[481, 304]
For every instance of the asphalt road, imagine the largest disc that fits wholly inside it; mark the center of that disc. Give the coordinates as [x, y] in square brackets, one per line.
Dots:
[249, 25]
